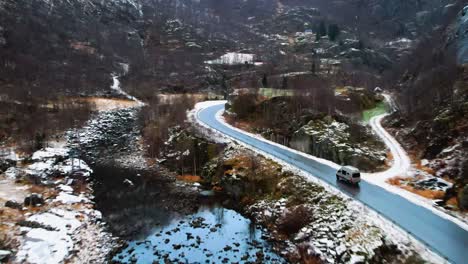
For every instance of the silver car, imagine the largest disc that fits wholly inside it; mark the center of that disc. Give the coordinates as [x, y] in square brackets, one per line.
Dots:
[349, 174]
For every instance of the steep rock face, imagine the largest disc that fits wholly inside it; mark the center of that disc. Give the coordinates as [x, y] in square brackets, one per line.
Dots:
[331, 140]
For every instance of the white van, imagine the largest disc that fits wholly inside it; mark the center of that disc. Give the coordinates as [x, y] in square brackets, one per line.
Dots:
[349, 174]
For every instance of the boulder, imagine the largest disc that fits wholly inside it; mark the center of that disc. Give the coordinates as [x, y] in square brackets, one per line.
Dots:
[13, 173]
[6, 163]
[13, 204]
[4, 255]
[33, 199]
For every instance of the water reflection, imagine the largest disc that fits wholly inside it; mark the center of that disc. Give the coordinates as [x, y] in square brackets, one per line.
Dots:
[213, 235]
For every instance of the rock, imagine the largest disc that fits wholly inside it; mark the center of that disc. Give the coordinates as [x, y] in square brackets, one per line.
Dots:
[33, 199]
[327, 138]
[128, 183]
[6, 163]
[293, 219]
[13, 173]
[4, 255]
[13, 204]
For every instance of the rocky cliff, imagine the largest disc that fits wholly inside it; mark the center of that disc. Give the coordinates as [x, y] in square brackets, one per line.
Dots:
[332, 140]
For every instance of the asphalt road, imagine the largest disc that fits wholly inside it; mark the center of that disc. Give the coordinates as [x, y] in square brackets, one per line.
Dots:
[442, 236]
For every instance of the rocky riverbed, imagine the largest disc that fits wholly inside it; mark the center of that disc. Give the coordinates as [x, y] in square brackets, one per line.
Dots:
[51, 217]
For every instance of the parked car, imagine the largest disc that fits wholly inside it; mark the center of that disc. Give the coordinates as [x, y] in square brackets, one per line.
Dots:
[349, 174]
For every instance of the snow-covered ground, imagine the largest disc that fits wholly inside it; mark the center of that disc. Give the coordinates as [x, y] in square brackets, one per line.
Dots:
[118, 89]
[401, 166]
[54, 232]
[233, 58]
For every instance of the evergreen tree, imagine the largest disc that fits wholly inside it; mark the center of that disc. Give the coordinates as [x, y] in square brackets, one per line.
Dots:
[317, 36]
[360, 44]
[322, 30]
[333, 31]
[39, 140]
[284, 85]
[265, 81]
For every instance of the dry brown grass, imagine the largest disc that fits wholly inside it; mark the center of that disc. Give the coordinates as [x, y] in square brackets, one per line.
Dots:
[217, 188]
[189, 178]
[395, 181]
[244, 125]
[105, 104]
[419, 166]
[430, 194]
[453, 202]
[389, 160]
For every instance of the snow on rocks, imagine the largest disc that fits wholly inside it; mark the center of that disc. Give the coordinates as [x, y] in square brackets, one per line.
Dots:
[110, 135]
[12, 173]
[50, 162]
[56, 243]
[49, 246]
[67, 198]
[66, 226]
[49, 153]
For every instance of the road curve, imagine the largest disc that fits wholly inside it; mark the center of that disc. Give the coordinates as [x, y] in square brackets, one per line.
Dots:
[442, 236]
[401, 161]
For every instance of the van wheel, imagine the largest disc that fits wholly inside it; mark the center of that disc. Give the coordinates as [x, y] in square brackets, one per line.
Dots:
[337, 178]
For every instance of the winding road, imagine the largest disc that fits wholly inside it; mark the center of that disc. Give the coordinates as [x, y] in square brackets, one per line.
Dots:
[441, 235]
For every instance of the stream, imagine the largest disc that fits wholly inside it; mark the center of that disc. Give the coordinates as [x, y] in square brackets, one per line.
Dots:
[163, 221]
[212, 235]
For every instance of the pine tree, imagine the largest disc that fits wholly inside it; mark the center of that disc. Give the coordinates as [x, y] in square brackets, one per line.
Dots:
[265, 81]
[322, 29]
[333, 31]
[284, 85]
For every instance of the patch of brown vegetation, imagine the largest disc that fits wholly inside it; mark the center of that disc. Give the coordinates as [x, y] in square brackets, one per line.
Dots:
[294, 219]
[106, 104]
[395, 181]
[430, 194]
[83, 47]
[8, 230]
[426, 169]
[188, 178]
[241, 124]
[217, 188]
[452, 201]
[389, 159]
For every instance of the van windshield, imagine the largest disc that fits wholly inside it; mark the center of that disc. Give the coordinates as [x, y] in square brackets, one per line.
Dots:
[356, 175]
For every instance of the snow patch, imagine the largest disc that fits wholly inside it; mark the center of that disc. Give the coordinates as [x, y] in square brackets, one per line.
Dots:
[233, 58]
[49, 246]
[66, 198]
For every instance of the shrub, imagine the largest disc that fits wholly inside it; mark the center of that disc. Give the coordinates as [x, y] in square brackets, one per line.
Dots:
[294, 219]
[464, 198]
